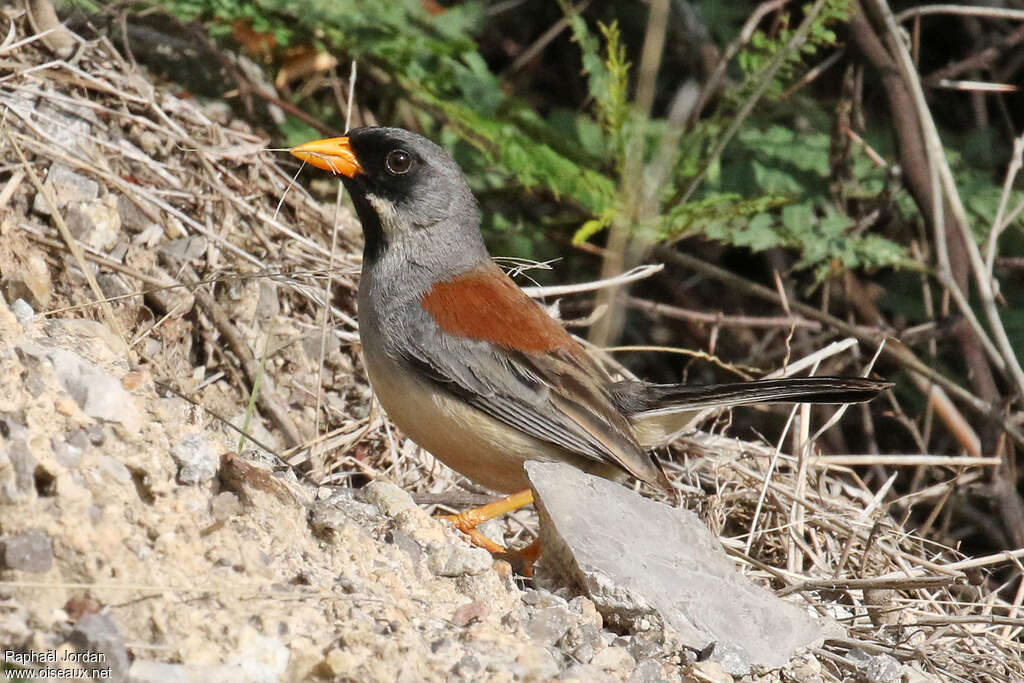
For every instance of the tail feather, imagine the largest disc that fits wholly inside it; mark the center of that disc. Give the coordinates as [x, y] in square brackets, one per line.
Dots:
[657, 410]
[672, 398]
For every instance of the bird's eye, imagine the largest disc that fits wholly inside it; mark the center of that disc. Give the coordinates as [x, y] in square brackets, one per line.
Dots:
[398, 162]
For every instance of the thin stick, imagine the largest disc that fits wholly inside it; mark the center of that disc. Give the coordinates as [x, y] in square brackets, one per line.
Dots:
[71, 242]
[316, 458]
[638, 273]
[939, 166]
[895, 351]
[910, 460]
[719, 319]
[766, 77]
[998, 225]
[964, 10]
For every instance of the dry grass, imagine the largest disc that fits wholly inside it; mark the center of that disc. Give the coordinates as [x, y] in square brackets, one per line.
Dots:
[246, 308]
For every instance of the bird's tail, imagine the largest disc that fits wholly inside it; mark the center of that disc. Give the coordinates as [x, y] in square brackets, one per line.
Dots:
[659, 410]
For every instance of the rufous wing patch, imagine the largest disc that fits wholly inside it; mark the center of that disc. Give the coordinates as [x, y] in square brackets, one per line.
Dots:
[485, 304]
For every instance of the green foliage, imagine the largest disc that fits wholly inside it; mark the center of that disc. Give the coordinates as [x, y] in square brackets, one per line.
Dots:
[763, 48]
[770, 188]
[727, 218]
[607, 77]
[295, 132]
[741, 202]
[776, 159]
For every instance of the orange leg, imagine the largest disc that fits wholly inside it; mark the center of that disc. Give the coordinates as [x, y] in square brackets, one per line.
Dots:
[528, 556]
[467, 521]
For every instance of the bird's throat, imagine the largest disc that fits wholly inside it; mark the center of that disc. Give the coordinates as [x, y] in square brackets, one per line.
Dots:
[375, 240]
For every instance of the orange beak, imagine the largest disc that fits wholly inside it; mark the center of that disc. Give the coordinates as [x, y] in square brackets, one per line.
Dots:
[333, 154]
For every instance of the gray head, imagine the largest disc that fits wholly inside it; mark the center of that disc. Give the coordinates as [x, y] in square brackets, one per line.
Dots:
[404, 188]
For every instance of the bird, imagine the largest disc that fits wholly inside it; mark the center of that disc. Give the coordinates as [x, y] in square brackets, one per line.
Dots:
[475, 371]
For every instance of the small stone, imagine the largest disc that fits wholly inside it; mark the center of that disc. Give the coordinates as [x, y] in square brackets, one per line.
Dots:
[66, 124]
[66, 187]
[114, 469]
[99, 394]
[470, 612]
[883, 669]
[585, 607]
[221, 556]
[707, 672]
[67, 454]
[260, 659]
[581, 641]
[420, 526]
[224, 506]
[338, 664]
[16, 474]
[96, 435]
[388, 498]
[268, 302]
[641, 647]
[648, 671]
[97, 633]
[22, 312]
[330, 515]
[96, 222]
[548, 625]
[65, 406]
[24, 274]
[536, 662]
[806, 668]
[615, 660]
[468, 667]
[457, 559]
[132, 217]
[197, 459]
[184, 249]
[166, 543]
[404, 541]
[349, 585]
[535, 597]
[29, 551]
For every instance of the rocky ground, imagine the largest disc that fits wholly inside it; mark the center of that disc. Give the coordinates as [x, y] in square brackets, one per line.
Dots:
[129, 528]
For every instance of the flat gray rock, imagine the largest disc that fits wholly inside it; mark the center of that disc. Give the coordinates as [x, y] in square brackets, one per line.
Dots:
[645, 564]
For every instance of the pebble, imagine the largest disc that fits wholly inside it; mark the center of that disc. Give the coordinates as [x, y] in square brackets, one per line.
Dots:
[197, 459]
[22, 312]
[648, 671]
[456, 559]
[100, 395]
[547, 625]
[536, 662]
[98, 633]
[28, 551]
[582, 641]
[707, 672]
[883, 669]
[615, 660]
[66, 187]
[388, 498]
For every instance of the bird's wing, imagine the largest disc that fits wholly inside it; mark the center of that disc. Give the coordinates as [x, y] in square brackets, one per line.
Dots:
[501, 353]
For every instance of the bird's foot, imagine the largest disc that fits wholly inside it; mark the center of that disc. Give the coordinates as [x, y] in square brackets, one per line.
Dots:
[467, 521]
